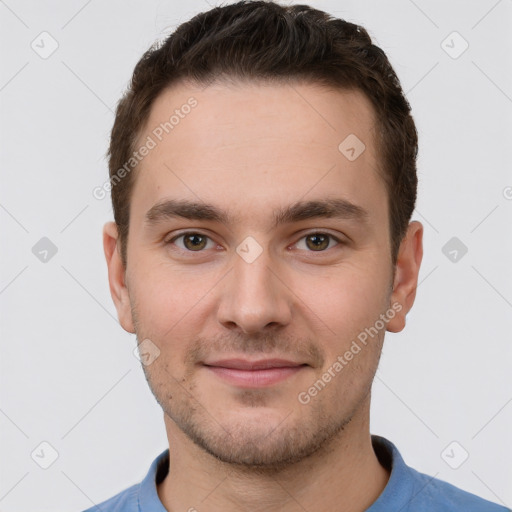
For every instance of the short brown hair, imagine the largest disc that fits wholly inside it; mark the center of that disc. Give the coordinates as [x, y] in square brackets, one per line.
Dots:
[259, 40]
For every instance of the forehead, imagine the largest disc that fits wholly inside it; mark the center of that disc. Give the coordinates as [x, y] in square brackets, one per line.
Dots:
[265, 145]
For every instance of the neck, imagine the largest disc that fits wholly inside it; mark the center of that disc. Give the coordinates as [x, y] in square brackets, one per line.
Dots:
[343, 475]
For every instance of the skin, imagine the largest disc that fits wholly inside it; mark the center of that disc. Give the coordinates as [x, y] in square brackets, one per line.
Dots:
[249, 149]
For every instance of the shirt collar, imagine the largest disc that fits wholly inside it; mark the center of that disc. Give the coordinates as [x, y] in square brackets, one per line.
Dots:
[397, 492]
[147, 497]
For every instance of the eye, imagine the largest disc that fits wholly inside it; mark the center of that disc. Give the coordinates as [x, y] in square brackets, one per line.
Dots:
[192, 241]
[317, 242]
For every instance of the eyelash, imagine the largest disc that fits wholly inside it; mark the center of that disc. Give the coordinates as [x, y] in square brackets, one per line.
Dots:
[187, 233]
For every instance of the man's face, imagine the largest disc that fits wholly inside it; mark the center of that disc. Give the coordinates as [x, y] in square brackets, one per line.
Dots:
[257, 286]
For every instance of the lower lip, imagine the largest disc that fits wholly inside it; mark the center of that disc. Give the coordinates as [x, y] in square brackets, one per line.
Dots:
[254, 378]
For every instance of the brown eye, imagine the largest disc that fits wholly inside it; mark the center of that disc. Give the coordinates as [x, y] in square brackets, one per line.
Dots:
[317, 242]
[193, 242]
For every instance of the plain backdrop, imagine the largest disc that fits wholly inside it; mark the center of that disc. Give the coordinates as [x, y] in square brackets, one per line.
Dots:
[69, 378]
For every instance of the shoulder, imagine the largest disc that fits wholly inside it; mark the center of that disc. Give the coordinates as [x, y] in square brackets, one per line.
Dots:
[141, 496]
[409, 490]
[438, 495]
[124, 501]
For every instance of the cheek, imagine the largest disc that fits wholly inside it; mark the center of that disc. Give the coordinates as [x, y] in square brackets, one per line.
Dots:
[346, 306]
[168, 300]
[344, 298]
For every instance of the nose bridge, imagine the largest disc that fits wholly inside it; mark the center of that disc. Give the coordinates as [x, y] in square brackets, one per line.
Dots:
[254, 297]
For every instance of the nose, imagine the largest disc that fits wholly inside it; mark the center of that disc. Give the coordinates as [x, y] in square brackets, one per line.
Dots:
[254, 297]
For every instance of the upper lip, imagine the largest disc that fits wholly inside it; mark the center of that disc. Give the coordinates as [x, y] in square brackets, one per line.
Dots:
[261, 364]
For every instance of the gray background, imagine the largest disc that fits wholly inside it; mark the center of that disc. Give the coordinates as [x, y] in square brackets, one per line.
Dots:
[68, 374]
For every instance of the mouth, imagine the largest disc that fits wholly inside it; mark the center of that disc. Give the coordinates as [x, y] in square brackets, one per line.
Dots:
[254, 374]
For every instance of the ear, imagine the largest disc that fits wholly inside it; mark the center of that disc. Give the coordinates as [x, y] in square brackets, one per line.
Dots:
[406, 275]
[116, 276]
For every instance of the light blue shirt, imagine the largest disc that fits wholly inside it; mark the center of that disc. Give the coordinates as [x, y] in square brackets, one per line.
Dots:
[406, 491]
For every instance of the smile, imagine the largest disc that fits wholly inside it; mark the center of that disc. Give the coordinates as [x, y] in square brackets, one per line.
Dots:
[253, 374]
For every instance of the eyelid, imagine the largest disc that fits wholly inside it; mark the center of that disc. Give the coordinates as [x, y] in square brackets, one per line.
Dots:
[186, 231]
[172, 240]
[339, 240]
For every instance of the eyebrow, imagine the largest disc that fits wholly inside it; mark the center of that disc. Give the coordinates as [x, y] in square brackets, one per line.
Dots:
[299, 211]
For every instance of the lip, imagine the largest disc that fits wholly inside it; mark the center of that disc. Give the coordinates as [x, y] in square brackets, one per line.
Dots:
[253, 374]
[260, 364]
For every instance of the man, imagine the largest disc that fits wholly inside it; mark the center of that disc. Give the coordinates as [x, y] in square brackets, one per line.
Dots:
[263, 177]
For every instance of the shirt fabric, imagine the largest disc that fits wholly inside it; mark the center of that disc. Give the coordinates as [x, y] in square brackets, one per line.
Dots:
[407, 490]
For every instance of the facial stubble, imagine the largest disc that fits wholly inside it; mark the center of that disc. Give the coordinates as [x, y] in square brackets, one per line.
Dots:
[301, 431]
